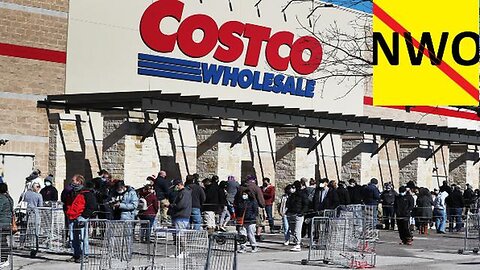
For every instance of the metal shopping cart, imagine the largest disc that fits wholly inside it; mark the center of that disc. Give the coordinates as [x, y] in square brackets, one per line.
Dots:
[472, 234]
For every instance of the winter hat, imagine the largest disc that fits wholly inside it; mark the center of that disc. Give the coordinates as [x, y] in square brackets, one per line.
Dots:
[49, 178]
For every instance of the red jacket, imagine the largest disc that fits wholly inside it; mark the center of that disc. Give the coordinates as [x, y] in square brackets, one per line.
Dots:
[152, 203]
[83, 205]
[269, 195]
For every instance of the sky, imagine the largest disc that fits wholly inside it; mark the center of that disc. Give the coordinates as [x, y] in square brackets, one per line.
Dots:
[364, 6]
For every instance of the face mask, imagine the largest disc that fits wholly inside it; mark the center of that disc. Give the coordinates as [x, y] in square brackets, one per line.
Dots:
[77, 187]
[103, 179]
[322, 185]
[403, 193]
[176, 189]
[245, 196]
[47, 184]
[292, 190]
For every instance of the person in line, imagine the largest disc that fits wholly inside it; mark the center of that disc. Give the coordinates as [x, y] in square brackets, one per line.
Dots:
[282, 210]
[423, 211]
[214, 202]
[49, 192]
[247, 209]
[468, 198]
[225, 215]
[326, 197]
[343, 195]
[148, 209]
[162, 190]
[372, 198]
[251, 184]
[403, 210]
[456, 204]
[355, 191]
[124, 202]
[440, 210]
[269, 196]
[32, 197]
[6, 217]
[387, 199]
[232, 188]
[198, 199]
[181, 208]
[81, 210]
[297, 206]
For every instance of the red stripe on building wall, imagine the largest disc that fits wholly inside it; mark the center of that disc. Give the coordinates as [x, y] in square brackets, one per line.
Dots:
[33, 53]
[430, 110]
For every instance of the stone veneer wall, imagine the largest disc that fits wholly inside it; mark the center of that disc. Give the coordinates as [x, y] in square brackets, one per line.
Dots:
[458, 175]
[351, 168]
[409, 171]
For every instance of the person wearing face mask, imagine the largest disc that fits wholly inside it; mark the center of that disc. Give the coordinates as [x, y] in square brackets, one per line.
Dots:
[297, 207]
[355, 191]
[403, 210]
[247, 209]
[124, 202]
[282, 210]
[148, 208]
[326, 197]
[49, 192]
[78, 213]
[181, 208]
[388, 199]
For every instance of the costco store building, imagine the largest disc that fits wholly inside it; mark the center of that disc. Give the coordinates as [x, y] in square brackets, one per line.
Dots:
[209, 87]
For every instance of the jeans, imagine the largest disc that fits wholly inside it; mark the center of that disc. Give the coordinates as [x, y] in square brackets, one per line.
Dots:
[295, 225]
[181, 223]
[440, 216]
[269, 211]
[196, 219]
[457, 217]
[286, 230]
[389, 217]
[80, 237]
[225, 216]
[248, 230]
[146, 229]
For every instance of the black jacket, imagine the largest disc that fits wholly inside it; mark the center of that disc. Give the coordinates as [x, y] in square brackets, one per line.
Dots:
[404, 206]
[297, 203]
[356, 194]
[215, 198]
[371, 195]
[388, 197]
[329, 202]
[468, 196]
[182, 206]
[162, 188]
[343, 196]
[198, 195]
[49, 194]
[455, 199]
[90, 203]
[424, 207]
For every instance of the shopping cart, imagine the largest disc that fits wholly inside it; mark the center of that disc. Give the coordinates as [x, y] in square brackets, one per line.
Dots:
[222, 251]
[42, 229]
[472, 234]
[318, 240]
[115, 245]
[180, 249]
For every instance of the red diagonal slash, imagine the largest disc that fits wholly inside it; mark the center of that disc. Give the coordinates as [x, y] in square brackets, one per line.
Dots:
[444, 67]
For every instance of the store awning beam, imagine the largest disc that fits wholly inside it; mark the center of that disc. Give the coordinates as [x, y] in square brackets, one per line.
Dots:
[380, 147]
[152, 129]
[435, 151]
[317, 143]
[240, 137]
[336, 124]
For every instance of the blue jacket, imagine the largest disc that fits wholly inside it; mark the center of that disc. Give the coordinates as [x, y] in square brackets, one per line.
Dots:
[371, 195]
[128, 204]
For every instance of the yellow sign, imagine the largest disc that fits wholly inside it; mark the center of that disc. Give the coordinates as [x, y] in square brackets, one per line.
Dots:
[447, 71]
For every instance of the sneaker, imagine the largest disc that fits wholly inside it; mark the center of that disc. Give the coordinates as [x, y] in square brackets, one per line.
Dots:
[242, 250]
[4, 264]
[286, 243]
[72, 259]
[296, 248]
[255, 250]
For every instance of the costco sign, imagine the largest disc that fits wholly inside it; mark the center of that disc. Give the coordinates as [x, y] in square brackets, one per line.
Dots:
[228, 42]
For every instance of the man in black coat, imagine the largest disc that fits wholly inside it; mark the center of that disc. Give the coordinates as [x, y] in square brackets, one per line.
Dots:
[388, 200]
[403, 206]
[468, 197]
[355, 192]
[162, 190]
[455, 203]
[297, 206]
[343, 195]
[198, 198]
[325, 197]
[215, 200]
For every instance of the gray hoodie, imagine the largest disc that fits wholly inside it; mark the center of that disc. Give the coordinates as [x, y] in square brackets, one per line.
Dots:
[182, 206]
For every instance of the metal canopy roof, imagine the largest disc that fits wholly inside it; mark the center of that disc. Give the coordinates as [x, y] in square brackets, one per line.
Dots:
[194, 107]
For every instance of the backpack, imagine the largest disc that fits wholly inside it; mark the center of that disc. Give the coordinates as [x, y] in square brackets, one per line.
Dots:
[142, 204]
